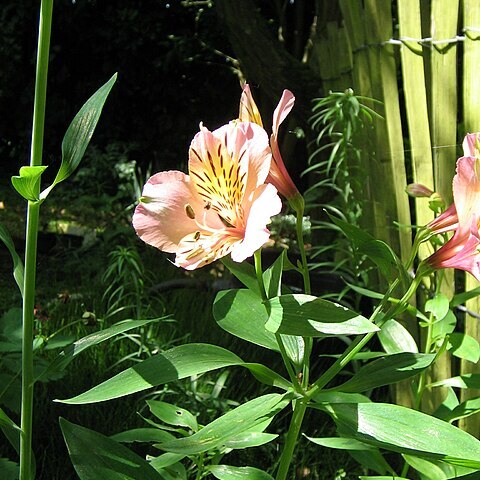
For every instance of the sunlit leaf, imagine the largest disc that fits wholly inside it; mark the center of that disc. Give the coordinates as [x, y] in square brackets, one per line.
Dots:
[407, 431]
[79, 134]
[226, 472]
[386, 371]
[309, 316]
[174, 364]
[464, 346]
[27, 183]
[235, 422]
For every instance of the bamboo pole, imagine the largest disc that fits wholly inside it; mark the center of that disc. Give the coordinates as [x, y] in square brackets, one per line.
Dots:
[415, 94]
[443, 126]
[392, 204]
[471, 116]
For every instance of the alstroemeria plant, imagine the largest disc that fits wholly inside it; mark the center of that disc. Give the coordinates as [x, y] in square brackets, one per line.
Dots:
[278, 175]
[462, 250]
[222, 207]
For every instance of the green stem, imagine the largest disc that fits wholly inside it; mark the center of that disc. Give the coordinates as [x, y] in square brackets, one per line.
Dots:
[291, 440]
[360, 341]
[33, 210]
[308, 290]
[259, 273]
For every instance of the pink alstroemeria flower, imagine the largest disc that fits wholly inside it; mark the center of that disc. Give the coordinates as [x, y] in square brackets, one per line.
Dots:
[462, 251]
[221, 207]
[278, 175]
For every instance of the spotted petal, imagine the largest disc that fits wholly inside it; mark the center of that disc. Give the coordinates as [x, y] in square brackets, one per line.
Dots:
[263, 204]
[160, 218]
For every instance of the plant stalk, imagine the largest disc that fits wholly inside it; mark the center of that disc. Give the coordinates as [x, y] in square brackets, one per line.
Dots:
[33, 210]
[292, 436]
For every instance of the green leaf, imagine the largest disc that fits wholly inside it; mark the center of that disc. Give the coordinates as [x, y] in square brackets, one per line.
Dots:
[17, 262]
[381, 477]
[172, 415]
[437, 470]
[295, 349]
[469, 380]
[233, 423]
[242, 314]
[142, 435]
[60, 362]
[226, 472]
[425, 467]
[272, 277]
[79, 134]
[438, 305]
[244, 272]
[372, 460]
[407, 431]
[11, 430]
[340, 443]
[463, 297]
[165, 460]
[95, 456]
[178, 362]
[464, 409]
[249, 439]
[9, 470]
[27, 183]
[449, 403]
[464, 346]
[445, 326]
[309, 316]
[339, 397]
[376, 250]
[174, 364]
[395, 338]
[267, 376]
[386, 371]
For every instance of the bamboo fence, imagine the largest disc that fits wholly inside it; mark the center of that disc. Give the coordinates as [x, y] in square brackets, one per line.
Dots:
[421, 59]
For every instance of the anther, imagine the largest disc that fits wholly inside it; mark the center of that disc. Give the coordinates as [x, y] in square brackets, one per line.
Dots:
[189, 211]
[196, 235]
[208, 205]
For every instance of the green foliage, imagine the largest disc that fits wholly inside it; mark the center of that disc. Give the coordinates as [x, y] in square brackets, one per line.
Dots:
[109, 459]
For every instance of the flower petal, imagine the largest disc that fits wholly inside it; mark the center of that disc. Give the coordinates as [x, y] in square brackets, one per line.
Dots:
[161, 219]
[466, 189]
[202, 248]
[248, 108]
[283, 109]
[263, 204]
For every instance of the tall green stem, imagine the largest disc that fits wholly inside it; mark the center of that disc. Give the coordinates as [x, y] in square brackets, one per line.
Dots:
[291, 440]
[33, 209]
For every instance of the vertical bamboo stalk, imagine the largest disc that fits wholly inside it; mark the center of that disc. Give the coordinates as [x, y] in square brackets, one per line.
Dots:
[471, 116]
[415, 94]
[443, 126]
[353, 14]
[393, 202]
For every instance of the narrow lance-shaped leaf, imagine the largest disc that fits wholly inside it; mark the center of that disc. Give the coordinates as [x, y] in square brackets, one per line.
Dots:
[66, 356]
[386, 371]
[227, 472]
[174, 364]
[309, 316]
[79, 134]
[260, 410]
[403, 430]
[17, 262]
[108, 459]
